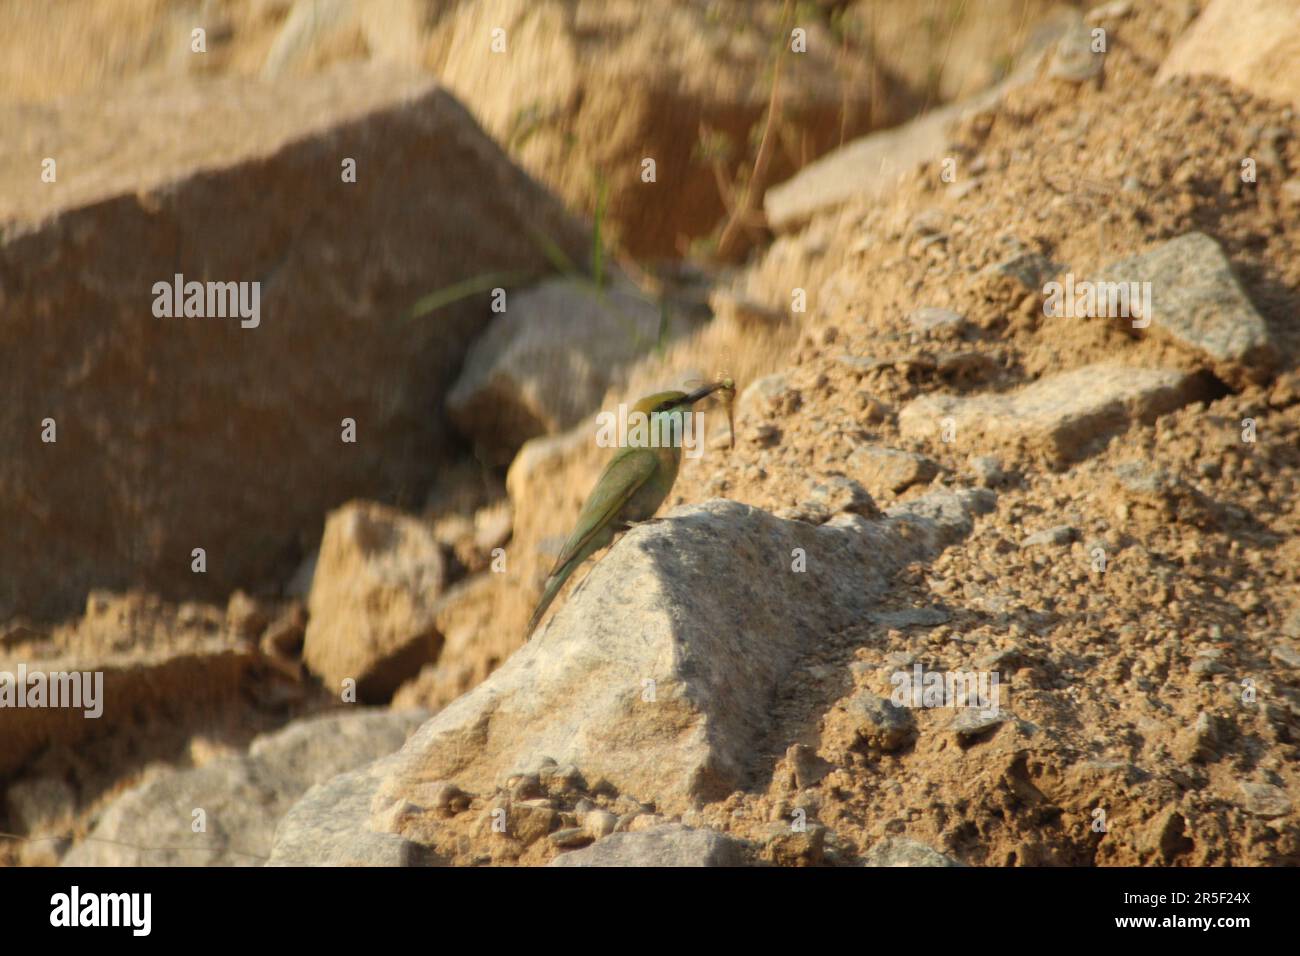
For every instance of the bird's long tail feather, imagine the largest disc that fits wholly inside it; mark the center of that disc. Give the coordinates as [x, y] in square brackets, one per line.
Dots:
[553, 585]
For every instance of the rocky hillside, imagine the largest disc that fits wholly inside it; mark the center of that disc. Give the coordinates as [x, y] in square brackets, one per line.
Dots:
[1019, 412]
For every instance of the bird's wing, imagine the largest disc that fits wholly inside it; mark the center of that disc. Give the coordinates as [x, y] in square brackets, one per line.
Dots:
[627, 472]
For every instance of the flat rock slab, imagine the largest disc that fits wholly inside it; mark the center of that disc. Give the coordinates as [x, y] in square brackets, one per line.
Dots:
[870, 166]
[1197, 302]
[865, 168]
[667, 845]
[242, 798]
[1062, 418]
[160, 681]
[197, 432]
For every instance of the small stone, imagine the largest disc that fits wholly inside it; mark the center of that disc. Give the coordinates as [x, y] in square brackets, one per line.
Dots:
[538, 803]
[446, 799]
[808, 768]
[1206, 665]
[772, 392]
[911, 617]
[987, 470]
[571, 837]
[1060, 535]
[970, 723]
[839, 494]
[787, 846]
[371, 609]
[1145, 479]
[1007, 658]
[283, 637]
[527, 822]
[667, 845]
[1030, 269]
[889, 471]
[1291, 626]
[1287, 654]
[1204, 741]
[1264, 800]
[1115, 10]
[874, 411]
[245, 616]
[965, 366]
[525, 786]
[546, 363]
[928, 222]
[493, 526]
[1073, 58]
[645, 821]
[899, 851]
[931, 319]
[564, 779]
[864, 363]
[600, 823]
[880, 724]
[1166, 835]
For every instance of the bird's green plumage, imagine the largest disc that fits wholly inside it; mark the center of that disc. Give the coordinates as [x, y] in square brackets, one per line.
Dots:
[632, 487]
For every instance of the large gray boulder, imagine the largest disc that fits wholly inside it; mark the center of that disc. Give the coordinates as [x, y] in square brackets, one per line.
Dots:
[547, 362]
[658, 673]
[241, 798]
[656, 677]
[220, 433]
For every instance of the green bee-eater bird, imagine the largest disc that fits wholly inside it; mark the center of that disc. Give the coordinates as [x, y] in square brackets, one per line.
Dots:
[633, 485]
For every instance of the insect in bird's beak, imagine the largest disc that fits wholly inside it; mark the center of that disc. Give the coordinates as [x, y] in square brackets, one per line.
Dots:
[727, 388]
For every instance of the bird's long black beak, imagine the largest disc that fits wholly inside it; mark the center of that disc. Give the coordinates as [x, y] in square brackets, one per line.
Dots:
[704, 391]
